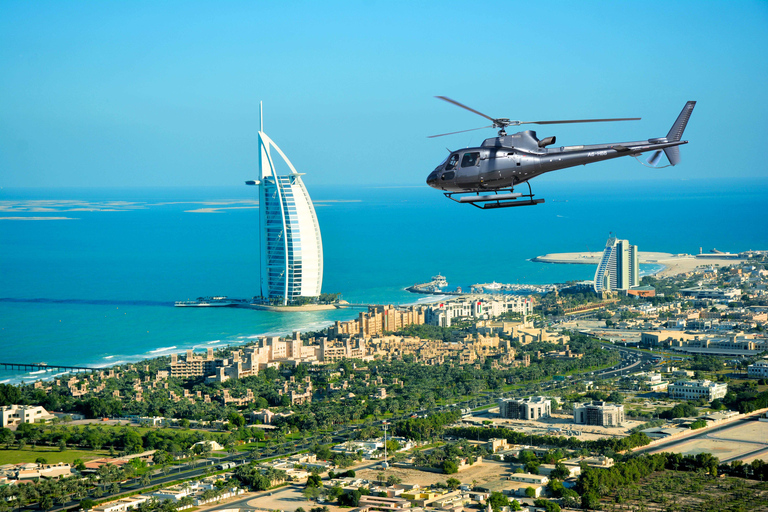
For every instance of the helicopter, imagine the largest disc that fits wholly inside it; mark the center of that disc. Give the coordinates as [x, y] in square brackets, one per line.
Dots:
[486, 176]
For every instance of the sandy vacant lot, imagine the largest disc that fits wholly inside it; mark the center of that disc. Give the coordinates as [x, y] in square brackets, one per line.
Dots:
[481, 473]
[746, 441]
[562, 421]
[287, 498]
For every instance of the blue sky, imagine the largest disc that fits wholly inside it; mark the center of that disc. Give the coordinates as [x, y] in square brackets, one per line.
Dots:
[166, 93]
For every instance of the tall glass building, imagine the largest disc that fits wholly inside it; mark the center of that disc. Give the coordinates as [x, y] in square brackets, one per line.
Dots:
[618, 268]
[291, 245]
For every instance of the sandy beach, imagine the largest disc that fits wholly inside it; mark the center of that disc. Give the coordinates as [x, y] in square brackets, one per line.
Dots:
[674, 264]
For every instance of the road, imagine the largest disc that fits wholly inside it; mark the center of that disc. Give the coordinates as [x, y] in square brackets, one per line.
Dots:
[632, 360]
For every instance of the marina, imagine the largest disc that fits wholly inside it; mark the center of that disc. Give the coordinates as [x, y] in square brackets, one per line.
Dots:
[438, 283]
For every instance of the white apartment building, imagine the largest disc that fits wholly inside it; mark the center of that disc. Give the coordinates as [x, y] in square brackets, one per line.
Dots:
[696, 389]
[17, 414]
[443, 314]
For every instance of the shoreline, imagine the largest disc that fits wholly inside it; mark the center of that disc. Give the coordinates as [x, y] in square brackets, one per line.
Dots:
[672, 264]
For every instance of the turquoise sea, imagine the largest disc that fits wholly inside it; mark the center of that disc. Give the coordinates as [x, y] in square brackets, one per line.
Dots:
[88, 276]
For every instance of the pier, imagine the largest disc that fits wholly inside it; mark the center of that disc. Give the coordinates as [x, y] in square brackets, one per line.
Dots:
[28, 367]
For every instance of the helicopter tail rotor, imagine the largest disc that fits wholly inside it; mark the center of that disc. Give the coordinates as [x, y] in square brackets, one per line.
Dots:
[653, 160]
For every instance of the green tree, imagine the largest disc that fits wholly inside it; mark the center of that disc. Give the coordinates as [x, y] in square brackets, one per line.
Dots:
[548, 506]
[498, 500]
[453, 483]
[560, 472]
[46, 502]
[87, 504]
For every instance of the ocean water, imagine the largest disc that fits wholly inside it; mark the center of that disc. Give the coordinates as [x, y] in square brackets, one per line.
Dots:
[88, 277]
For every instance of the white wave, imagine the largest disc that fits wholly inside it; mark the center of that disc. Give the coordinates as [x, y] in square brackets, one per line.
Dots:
[109, 357]
[6, 381]
[38, 372]
[213, 342]
[111, 363]
[161, 349]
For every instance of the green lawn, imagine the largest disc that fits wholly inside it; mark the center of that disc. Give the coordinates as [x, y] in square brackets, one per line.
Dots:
[50, 454]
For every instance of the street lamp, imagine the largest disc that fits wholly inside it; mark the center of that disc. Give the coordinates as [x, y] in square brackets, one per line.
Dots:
[385, 425]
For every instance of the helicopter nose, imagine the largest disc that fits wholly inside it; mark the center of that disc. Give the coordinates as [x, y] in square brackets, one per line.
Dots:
[432, 178]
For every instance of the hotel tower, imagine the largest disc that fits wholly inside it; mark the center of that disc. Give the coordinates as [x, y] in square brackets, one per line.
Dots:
[618, 268]
[291, 246]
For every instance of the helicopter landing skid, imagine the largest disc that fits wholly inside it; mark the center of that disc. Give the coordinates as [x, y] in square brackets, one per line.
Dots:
[499, 199]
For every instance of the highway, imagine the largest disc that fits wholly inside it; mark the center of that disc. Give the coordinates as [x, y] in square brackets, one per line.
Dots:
[632, 361]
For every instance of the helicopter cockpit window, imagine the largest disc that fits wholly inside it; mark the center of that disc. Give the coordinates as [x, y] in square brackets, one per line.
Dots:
[453, 161]
[470, 159]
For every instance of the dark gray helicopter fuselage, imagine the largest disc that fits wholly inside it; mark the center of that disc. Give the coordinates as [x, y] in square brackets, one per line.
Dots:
[505, 161]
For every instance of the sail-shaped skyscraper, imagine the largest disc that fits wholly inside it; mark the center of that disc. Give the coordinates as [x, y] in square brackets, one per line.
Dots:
[291, 245]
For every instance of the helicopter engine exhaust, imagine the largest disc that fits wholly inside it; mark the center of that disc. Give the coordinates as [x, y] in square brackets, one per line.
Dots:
[546, 142]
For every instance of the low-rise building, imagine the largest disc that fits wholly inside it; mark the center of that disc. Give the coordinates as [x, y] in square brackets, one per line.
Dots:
[529, 478]
[696, 389]
[122, 504]
[758, 370]
[598, 461]
[13, 415]
[383, 504]
[598, 413]
[531, 408]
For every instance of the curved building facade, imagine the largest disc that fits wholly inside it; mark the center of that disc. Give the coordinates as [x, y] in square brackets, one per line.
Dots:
[618, 268]
[291, 245]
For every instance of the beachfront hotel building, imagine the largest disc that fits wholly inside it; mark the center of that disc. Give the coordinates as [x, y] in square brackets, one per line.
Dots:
[618, 268]
[291, 245]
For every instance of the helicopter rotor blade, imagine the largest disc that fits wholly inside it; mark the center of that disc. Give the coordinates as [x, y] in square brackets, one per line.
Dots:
[568, 121]
[461, 131]
[449, 100]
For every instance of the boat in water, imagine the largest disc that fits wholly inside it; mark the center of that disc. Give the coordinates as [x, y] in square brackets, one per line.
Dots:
[210, 302]
[439, 281]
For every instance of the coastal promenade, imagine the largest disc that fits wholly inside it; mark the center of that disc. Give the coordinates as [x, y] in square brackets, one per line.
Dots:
[27, 367]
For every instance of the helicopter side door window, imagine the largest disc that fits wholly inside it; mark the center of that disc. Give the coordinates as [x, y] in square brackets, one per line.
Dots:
[470, 159]
[453, 161]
